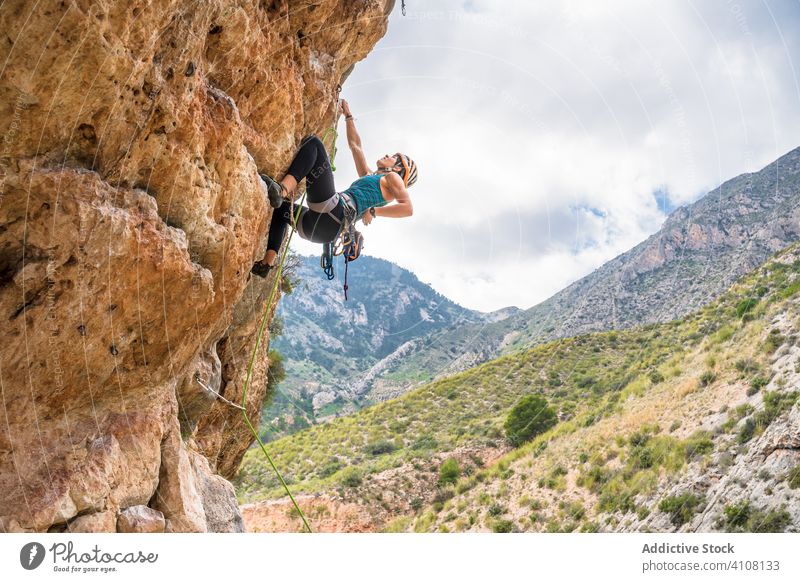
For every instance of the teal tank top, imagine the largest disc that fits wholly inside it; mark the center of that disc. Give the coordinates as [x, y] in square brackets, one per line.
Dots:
[366, 192]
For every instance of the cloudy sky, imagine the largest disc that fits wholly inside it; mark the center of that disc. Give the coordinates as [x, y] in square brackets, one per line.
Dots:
[552, 136]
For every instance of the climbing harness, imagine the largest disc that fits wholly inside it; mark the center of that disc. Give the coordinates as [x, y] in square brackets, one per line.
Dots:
[348, 242]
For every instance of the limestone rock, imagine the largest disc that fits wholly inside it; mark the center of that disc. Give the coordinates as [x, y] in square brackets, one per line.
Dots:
[101, 522]
[140, 519]
[130, 215]
[219, 498]
[177, 496]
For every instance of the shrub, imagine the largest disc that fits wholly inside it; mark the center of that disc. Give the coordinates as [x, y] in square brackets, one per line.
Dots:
[743, 517]
[276, 371]
[681, 507]
[330, 468]
[503, 526]
[531, 416]
[707, 378]
[774, 341]
[746, 366]
[745, 306]
[380, 448]
[698, 444]
[736, 515]
[443, 495]
[793, 477]
[774, 521]
[758, 382]
[425, 442]
[747, 431]
[449, 472]
[496, 509]
[656, 377]
[351, 477]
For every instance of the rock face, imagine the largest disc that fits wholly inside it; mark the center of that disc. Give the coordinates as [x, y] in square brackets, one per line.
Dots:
[130, 214]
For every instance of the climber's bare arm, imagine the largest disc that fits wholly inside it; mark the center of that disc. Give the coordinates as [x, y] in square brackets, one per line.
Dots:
[354, 141]
[402, 206]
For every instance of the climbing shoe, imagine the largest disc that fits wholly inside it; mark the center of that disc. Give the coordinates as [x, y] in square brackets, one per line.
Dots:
[274, 191]
[261, 269]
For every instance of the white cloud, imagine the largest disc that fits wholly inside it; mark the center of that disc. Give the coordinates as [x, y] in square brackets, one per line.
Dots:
[566, 117]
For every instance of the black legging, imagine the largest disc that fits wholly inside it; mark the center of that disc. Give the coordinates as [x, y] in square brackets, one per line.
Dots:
[311, 162]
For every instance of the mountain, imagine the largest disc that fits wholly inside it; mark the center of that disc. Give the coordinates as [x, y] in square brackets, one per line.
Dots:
[698, 252]
[333, 349]
[687, 425]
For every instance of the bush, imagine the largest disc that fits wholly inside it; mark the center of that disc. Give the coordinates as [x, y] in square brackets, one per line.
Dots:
[743, 517]
[503, 526]
[449, 472]
[276, 371]
[745, 306]
[736, 515]
[496, 509]
[774, 521]
[794, 477]
[656, 377]
[698, 444]
[774, 341]
[746, 366]
[747, 431]
[425, 442]
[351, 477]
[380, 448]
[530, 417]
[681, 507]
[331, 467]
[707, 378]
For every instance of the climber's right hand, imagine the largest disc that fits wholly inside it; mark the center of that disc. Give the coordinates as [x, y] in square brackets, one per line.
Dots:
[345, 107]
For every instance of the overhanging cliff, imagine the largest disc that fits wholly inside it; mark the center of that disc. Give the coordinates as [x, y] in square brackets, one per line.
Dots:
[130, 214]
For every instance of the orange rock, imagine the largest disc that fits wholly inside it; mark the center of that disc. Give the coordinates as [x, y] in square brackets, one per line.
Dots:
[130, 215]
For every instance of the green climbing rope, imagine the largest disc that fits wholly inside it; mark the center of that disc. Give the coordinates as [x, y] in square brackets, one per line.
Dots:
[250, 370]
[261, 334]
[331, 130]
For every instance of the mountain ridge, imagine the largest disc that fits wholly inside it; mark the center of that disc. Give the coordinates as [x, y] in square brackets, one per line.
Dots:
[630, 289]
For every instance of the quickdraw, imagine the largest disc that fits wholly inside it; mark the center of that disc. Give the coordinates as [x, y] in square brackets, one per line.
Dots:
[326, 261]
[348, 243]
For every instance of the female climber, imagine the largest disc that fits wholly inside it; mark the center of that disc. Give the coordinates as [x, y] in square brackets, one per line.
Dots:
[369, 196]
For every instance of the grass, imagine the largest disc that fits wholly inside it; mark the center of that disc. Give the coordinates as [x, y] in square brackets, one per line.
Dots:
[681, 508]
[587, 379]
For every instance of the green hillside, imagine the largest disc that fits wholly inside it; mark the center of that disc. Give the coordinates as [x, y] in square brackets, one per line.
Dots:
[586, 378]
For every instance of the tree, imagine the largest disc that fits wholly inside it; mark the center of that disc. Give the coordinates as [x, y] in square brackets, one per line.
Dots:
[531, 416]
[449, 472]
[276, 371]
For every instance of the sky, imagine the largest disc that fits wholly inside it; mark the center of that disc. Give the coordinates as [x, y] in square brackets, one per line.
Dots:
[551, 136]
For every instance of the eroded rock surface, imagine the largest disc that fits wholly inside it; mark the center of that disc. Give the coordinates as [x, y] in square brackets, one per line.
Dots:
[130, 214]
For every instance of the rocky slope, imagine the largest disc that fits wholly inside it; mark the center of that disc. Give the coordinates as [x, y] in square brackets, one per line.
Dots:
[697, 254]
[689, 424]
[130, 214]
[331, 346]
